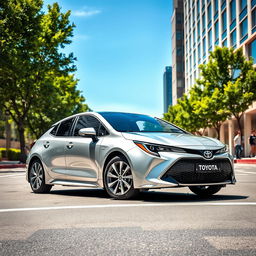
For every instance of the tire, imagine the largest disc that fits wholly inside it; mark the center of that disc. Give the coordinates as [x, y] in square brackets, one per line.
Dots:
[37, 178]
[205, 191]
[118, 179]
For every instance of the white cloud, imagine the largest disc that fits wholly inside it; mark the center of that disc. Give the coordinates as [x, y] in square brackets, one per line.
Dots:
[86, 12]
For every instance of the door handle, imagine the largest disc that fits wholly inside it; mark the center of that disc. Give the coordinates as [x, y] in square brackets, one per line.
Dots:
[47, 144]
[70, 145]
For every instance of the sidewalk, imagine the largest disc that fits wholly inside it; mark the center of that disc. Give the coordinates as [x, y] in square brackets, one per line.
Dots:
[11, 164]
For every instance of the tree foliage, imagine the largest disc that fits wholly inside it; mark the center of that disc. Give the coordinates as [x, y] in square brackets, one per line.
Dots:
[36, 82]
[226, 87]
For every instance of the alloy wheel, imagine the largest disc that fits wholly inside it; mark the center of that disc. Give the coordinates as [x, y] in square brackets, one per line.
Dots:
[36, 176]
[119, 178]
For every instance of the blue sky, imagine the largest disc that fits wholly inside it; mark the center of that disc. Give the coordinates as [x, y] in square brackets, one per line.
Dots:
[122, 47]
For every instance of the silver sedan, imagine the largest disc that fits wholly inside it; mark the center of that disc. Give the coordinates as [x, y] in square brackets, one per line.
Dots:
[125, 153]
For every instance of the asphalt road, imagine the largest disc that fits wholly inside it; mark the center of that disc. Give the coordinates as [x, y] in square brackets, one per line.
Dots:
[80, 221]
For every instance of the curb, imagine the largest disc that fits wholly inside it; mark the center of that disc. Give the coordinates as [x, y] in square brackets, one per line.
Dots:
[6, 166]
[245, 161]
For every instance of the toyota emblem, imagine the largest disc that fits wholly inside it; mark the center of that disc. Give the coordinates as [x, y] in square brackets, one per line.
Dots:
[208, 154]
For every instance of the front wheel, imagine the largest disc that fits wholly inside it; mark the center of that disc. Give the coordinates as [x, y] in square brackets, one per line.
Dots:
[205, 191]
[37, 178]
[118, 179]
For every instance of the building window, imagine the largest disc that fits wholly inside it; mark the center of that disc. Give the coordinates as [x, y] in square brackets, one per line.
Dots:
[216, 6]
[225, 43]
[209, 8]
[199, 52]
[210, 39]
[179, 51]
[216, 27]
[194, 56]
[203, 21]
[243, 28]
[233, 39]
[252, 50]
[243, 4]
[179, 18]
[190, 62]
[254, 20]
[179, 35]
[198, 29]
[193, 15]
[204, 47]
[198, 7]
[232, 10]
[224, 21]
[194, 36]
[190, 42]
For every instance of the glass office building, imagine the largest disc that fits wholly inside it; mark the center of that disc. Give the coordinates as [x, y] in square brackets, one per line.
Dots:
[208, 23]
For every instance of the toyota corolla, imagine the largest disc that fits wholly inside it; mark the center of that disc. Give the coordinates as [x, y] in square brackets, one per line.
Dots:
[125, 153]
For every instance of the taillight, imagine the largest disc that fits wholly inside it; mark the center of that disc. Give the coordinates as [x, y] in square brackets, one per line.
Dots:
[32, 144]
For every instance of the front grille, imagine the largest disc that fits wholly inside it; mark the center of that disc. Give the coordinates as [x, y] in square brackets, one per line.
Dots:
[184, 172]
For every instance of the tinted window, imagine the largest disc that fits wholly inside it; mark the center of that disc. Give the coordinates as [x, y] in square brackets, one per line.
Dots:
[126, 122]
[54, 130]
[90, 121]
[65, 127]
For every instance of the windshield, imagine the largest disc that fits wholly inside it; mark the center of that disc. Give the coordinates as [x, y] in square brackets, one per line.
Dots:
[126, 122]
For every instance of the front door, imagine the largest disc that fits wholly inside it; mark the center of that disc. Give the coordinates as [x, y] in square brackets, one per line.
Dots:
[82, 152]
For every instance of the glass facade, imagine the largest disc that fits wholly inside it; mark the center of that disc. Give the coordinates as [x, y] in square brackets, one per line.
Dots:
[218, 23]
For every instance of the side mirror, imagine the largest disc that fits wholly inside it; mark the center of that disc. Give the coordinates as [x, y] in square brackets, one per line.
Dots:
[88, 132]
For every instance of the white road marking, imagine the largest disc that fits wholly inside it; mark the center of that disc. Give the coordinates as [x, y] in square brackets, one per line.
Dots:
[12, 175]
[232, 243]
[124, 206]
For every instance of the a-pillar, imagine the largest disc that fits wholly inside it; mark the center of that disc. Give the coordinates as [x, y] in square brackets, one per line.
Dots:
[231, 136]
[247, 132]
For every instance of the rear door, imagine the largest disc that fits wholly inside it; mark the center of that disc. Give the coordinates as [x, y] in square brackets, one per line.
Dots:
[82, 152]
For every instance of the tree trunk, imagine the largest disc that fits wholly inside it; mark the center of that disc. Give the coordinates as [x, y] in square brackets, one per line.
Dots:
[217, 129]
[8, 134]
[23, 154]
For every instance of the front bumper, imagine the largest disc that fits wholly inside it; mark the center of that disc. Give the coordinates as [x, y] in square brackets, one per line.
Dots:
[178, 170]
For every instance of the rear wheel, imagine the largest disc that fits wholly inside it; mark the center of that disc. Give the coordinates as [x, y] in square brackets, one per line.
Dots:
[37, 178]
[118, 179]
[205, 191]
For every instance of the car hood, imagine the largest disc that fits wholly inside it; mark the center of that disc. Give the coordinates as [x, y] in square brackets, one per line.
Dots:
[175, 139]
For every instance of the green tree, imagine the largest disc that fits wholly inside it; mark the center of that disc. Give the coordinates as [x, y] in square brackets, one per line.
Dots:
[226, 86]
[32, 65]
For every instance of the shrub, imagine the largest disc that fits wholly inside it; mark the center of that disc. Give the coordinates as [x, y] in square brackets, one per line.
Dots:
[12, 154]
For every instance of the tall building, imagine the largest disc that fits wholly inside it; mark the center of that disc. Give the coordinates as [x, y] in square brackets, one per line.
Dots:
[210, 23]
[207, 23]
[167, 88]
[178, 79]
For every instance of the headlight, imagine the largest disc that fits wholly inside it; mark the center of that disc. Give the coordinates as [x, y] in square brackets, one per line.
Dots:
[222, 150]
[153, 149]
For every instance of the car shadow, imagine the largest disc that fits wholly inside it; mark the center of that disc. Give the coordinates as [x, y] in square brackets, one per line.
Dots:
[149, 196]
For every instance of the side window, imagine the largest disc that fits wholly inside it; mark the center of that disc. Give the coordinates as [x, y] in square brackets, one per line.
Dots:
[90, 121]
[54, 130]
[65, 127]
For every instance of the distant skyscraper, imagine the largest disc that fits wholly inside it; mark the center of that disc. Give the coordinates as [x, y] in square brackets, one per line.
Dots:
[178, 76]
[167, 88]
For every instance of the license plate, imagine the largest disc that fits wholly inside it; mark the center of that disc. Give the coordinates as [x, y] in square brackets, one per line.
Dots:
[207, 167]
